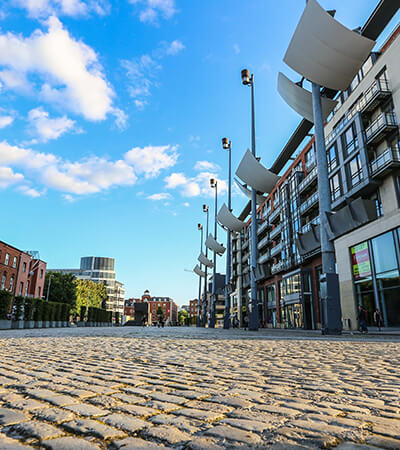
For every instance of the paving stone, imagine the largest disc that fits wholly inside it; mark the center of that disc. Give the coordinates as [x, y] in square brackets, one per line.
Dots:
[172, 435]
[125, 422]
[249, 425]
[20, 402]
[382, 442]
[162, 406]
[69, 443]
[168, 398]
[87, 410]
[136, 410]
[189, 425]
[7, 443]
[234, 434]
[104, 401]
[231, 401]
[38, 430]
[89, 427]
[204, 443]
[132, 399]
[55, 415]
[11, 417]
[199, 414]
[136, 443]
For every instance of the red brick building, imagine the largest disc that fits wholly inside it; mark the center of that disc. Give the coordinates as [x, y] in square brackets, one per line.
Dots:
[20, 273]
[193, 308]
[168, 306]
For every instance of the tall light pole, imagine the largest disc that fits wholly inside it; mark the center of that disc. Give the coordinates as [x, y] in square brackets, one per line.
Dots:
[227, 145]
[199, 227]
[204, 314]
[248, 80]
[214, 185]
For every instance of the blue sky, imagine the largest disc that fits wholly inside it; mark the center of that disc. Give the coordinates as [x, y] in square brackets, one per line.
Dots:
[111, 119]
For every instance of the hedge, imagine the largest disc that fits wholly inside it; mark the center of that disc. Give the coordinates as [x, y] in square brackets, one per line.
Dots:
[5, 302]
[29, 308]
[18, 307]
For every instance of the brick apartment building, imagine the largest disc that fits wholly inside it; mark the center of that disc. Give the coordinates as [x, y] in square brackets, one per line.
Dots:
[21, 273]
[193, 308]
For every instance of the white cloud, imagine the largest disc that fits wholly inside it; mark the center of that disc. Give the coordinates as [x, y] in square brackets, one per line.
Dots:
[198, 185]
[69, 72]
[151, 160]
[30, 192]
[6, 120]
[207, 165]
[236, 48]
[160, 196]
[45, 128]
[186, 204]
[86, 176]
[72, 8]
[174, 47]
[151, 10]
[8, 177]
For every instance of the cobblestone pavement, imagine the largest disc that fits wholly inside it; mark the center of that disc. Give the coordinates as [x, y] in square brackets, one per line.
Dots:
[148, 388]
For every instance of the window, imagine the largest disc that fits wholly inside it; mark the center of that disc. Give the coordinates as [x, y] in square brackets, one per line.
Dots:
[331, 156]
[39, 291]
[14, 262]
[350, 140]
[21, 288]
[7, 259]
[41, 275]
[11, 283]
[3, 281]
[26, 288]
[24, 267]
[310, 158]
[336, 188]
[354, 171]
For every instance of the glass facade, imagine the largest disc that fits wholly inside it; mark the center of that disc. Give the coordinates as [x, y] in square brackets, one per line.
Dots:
[376, 276]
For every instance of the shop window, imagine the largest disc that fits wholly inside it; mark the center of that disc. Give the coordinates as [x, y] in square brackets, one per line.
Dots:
[354, 171]
[384, 253]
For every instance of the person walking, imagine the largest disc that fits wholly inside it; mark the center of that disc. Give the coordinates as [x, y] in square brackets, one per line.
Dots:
[362, 319]
[378, 319]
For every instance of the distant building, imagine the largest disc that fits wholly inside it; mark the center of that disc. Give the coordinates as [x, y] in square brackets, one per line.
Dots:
[101, 270]
[193, 308]
[169, 307]
[185, 308]
[21, 273]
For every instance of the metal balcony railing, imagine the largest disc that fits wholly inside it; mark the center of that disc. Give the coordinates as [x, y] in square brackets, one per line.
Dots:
[308, 179]
[264, 257]
[379, 90]
[281, 265]
[264, 226]
[309, 203]
[307, 226]
[277, 249]
[276, 231]
[275, 213]
[264, 242]
[388, 159]
[383, 124]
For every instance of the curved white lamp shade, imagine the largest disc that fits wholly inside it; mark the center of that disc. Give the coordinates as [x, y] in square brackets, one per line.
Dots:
[324, 51]
[227, 219]
[213, 245]
[255, 174]
[204, 260]
[300, 99]
[198, 271]
[247, 192]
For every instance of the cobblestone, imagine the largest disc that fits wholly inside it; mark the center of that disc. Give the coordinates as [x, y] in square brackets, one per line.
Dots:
[106, 388]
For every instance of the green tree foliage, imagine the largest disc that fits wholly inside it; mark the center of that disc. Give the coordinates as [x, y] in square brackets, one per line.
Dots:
[160, 313]
[86, 289]
[5, 301]
[182, 316]
[62, 288]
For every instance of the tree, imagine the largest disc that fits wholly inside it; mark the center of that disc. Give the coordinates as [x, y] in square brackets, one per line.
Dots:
[62, 287]
[182, 316]
[160, 313]
[89, 293]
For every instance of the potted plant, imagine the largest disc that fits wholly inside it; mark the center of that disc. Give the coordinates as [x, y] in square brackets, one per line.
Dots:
[82, 321]
[18, 312]
[38, 313]
[46, 314]
[5, 301]
[29, 306]
[57, 314]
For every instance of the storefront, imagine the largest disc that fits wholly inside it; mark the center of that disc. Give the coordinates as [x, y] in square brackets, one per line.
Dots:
[376, 276]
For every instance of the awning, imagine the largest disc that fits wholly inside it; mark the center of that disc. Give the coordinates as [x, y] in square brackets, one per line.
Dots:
[198, 271]
[227, 219]
[247, 192]
[324, 51]
[214, 246]
[300, 99]
[204, 260]
[254, 174]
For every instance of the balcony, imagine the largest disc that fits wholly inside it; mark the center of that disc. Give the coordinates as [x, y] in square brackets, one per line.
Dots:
[264, 226]
[312, 176]
[309, 203]
[275, 214]
[307, 226]
[385, 162]
[266, 256]
[277, 249]
[264, 242]
[245, 244]
[380, 127]
[281, 265]
[374, 95]
[276, 231]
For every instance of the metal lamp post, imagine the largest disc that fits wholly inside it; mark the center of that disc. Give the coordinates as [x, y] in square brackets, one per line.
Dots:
[48, 288]
[204, 309]
[248, 80]
[199, 227]
[214, 185]
[227, 145]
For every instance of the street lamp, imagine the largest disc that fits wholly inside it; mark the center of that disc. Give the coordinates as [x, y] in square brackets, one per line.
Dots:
[248, 80]
[204, 314]
[48, 287]
[214, 185]
[227, 145]
[199, 227]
